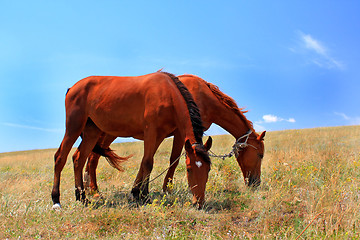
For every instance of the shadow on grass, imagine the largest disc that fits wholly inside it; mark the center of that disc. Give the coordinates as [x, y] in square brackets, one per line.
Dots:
[223, 200]
[114, 199]
[124, 199]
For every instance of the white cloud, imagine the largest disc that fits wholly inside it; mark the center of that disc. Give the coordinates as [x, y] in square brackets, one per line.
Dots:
[313, 44]
[292, 120]
[343, 115]
[31, 127]
[269, 118]
[350, 120]
[316, 52]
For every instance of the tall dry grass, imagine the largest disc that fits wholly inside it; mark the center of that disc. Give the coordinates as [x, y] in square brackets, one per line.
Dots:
[310, 189]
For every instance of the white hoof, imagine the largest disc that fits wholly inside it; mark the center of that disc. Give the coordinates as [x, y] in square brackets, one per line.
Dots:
[56, 206]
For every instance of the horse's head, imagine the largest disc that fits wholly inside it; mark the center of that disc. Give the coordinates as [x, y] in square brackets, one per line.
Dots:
[198, 167]
[249, 157]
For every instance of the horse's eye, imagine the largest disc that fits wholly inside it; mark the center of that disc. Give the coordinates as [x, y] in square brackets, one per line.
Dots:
[261, 155]
[188, 170]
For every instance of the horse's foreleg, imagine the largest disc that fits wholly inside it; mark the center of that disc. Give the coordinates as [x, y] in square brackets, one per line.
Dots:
[93, 161]
[141, 185]
[90, 172]
[140, 189]
[178, 143]
[91, 165]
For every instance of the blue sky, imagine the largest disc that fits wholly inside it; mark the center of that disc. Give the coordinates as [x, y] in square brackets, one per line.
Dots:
[292, 64]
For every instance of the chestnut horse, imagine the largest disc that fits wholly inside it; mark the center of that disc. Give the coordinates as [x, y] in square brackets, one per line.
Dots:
[149, 108]
[215, 107]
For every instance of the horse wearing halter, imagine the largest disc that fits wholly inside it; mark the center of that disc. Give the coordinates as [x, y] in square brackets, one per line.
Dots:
[237, 147]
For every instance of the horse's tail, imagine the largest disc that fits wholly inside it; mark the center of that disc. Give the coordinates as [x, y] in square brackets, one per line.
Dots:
[113, 159]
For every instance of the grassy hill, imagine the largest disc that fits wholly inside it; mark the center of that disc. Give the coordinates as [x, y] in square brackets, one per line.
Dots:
[310, 186]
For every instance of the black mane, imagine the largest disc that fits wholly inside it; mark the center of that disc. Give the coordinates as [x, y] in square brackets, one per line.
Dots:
[194, 111]
[195, 117]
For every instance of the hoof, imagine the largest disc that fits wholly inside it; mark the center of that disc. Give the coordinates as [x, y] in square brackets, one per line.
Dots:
[56, 207]
[136, 193]
[86, 202]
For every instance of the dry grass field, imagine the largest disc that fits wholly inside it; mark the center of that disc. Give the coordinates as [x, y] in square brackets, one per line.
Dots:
[310, 190]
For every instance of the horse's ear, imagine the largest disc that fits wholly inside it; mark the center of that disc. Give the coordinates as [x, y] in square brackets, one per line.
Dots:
[188, 146]
[208, 143]
[261, 136]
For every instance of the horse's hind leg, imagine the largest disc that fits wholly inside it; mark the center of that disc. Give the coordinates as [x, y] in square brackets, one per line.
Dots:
[90, 137]
[75, 122]
[60, 160]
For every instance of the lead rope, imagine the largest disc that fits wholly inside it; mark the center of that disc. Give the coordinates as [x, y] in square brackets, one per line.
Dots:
[170, 165]
[236, 148]
[167, 168]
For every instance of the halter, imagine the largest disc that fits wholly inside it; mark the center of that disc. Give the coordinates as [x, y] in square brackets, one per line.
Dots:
[196, 144]
[237, 147]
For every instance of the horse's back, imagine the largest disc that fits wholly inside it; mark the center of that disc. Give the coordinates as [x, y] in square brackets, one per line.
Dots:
[115, 85]
[115, 102]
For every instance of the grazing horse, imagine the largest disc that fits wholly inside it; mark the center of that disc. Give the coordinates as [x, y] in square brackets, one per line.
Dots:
[149, 108]
[215, 107]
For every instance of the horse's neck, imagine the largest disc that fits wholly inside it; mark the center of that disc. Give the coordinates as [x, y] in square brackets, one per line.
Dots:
[230, 121]
[214, 111]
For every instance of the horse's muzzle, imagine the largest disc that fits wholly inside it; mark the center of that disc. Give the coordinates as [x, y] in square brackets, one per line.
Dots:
[253, 181]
